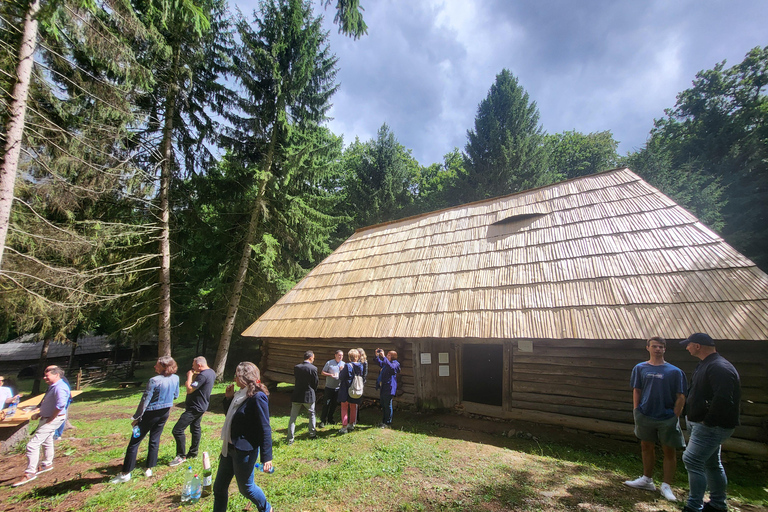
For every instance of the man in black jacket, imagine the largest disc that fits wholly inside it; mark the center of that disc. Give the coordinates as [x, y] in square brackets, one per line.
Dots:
[713, 413]
[304, 394]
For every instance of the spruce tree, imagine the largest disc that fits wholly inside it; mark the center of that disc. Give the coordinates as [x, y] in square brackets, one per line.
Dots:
[287, 74]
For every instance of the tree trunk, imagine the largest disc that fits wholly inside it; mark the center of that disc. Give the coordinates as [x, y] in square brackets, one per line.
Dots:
[245, 258]
[166, 147]
[41, 365]
[15, 127]
[237, 292]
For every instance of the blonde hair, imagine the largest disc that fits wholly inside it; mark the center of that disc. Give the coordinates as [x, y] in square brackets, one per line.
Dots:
[363, 357]
[249, 374]
[353, 355]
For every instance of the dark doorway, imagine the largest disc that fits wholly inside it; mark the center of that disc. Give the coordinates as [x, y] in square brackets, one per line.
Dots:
[482, 370]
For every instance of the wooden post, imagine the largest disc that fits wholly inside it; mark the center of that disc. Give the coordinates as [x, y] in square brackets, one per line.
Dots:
[79, 378]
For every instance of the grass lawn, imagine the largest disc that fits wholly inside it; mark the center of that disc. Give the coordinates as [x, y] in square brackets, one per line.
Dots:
[428, 463]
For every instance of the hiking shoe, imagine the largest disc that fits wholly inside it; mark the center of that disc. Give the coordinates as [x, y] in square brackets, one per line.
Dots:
[148, 472]
[313, 436]
[321, 425]
[709, 508]
[177, 460]
[44, 468]
[351, 428]
[666, 491]
[343, 430]
[642, 483]
[290, 441]
[24, 480]
[121, 478]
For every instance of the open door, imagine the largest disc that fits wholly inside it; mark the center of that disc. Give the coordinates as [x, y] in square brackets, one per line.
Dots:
[482, 371]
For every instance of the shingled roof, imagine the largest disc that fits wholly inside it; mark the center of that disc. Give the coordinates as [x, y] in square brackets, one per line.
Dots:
[605, 257]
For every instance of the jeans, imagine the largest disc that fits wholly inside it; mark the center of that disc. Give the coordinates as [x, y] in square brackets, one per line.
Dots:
[43, 437]
[329, 405]
[296, 407]
[238, 464]
[702, 460]
[152, 423]
[386, 407]
[189, 418]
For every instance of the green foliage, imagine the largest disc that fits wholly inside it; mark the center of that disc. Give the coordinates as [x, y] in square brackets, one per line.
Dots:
[70, 249]
[380, 181]
[718, 129]
[687, 185]
[436, 182]
[505, 152]
[573, 154]
[349, 17]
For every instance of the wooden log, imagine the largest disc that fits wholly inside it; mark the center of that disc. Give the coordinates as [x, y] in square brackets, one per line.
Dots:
[583, 382]
[554, 389]
[621, 416]
[573, 370]
[574, 401]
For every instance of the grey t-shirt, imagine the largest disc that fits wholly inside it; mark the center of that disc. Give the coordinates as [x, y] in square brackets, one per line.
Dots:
[332, 367]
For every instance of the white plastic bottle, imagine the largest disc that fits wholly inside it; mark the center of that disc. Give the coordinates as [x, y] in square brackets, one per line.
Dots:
[186, 490]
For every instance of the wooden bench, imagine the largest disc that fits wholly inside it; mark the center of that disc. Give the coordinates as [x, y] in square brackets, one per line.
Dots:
[130, 384]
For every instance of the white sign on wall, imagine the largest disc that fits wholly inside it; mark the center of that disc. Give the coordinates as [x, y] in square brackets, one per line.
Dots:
[525, 345]
[444, 370]
[426, 358]
[442, 357]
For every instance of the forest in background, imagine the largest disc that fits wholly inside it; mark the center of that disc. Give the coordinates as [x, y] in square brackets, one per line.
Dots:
[167, 169]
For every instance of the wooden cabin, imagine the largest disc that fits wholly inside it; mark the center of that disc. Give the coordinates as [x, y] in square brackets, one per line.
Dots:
[534, 306]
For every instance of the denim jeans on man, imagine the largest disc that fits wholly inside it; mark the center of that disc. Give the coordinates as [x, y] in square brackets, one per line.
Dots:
[238, 464]
[702, 460]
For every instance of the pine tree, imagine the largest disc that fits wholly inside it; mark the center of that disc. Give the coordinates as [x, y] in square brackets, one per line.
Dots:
[504, 153]
[67, 253]
[288, 76]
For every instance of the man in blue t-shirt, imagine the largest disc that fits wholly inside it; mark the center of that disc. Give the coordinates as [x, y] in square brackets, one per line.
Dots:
[658, 396]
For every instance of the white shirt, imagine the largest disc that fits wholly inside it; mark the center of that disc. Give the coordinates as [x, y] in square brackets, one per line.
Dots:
[226, 429]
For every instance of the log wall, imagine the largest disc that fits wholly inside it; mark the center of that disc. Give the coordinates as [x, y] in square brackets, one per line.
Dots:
[279, 356]
[590, 379]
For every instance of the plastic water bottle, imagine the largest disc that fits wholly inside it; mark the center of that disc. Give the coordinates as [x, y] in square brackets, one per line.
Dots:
[12, 408]
[136, 431]
[186, 490]
[207, 475]
[260, 467]
[196, 489]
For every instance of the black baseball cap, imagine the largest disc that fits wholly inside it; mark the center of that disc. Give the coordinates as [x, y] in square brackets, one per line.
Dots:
[699, 337]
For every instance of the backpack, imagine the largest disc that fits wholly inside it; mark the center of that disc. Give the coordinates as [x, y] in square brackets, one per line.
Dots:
[356, 389]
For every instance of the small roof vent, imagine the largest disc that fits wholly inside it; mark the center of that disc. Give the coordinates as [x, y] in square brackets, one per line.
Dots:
[513, 224]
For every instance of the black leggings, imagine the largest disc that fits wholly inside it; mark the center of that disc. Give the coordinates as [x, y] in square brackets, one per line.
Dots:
[151, 422]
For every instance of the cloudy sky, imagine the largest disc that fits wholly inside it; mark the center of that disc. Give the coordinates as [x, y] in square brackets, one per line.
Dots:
[590, 65]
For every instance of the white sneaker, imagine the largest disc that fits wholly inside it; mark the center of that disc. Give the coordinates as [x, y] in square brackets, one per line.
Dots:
[666, 491]
[121, 478]
[148, 473]
[642, 483]
[343, 430]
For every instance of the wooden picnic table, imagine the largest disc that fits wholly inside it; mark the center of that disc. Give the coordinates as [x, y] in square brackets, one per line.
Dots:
[26, 409]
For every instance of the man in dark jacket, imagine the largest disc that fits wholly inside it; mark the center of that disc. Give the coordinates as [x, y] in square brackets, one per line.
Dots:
[713, 413]
[304, 394]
